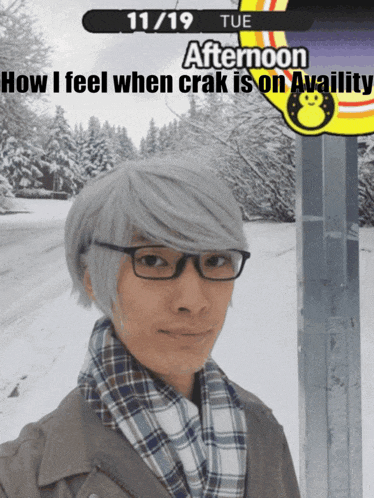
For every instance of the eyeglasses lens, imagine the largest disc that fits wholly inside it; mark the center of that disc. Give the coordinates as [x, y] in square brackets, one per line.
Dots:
[161, 262]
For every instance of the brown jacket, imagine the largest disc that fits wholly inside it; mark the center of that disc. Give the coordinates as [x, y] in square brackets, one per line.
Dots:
[69, 453]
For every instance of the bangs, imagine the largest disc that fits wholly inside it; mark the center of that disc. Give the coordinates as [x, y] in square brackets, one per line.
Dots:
[182, 209]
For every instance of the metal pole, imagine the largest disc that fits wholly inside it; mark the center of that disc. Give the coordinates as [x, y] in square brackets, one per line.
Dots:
[328, 317]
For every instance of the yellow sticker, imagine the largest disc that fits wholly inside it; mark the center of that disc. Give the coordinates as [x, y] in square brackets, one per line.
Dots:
[336, 101]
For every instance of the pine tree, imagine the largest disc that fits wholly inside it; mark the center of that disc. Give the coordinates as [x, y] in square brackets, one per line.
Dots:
[124, 146]
[174, 136]
[6, 191]
[91, 140]
[164, 141]
[82, 157]
[22, 51]
[100, 156]
[151, 140]
[94, 125]
[5, 188]
[143, 148]
[103, 159]
[21, 162]
[62, 171]
[109, 132]
[6, 195]
[193, 112]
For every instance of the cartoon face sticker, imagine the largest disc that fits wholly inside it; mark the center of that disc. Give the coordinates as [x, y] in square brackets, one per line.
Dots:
[310, 110]
[311, 99]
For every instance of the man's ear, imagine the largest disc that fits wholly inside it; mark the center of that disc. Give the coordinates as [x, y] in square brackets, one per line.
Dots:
[87, 285]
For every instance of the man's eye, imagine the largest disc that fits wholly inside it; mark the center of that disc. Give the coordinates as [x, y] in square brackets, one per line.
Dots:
[151, 260]
[216, 261]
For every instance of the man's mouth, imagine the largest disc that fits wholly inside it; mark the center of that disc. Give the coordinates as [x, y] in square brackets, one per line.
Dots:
[185, 333]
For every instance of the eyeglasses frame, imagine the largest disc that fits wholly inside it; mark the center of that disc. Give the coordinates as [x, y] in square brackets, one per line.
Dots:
[179, 266]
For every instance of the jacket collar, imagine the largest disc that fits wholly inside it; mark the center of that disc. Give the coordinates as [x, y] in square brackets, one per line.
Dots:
[76, 442]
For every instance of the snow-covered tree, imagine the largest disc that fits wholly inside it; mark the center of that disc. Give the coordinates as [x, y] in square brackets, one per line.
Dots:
[142, 148]
[151, 140]
[251, 148]
[170, 137]
[5, 188]
[99, 153]
[21, 161]
[175, 136]
[124, 147]
[22, 51]
[82, 156]
[6, 195]
[6, 191]
[119, 143]
[259, 158]
[164, 139]
[94, 125]
[62, 171]
[103, 158]
[193, 111]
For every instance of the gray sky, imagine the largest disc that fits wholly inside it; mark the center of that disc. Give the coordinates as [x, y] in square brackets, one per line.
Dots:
[76, 50]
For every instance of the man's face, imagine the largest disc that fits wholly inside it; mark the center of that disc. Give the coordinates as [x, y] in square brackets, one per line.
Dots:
[170, 326]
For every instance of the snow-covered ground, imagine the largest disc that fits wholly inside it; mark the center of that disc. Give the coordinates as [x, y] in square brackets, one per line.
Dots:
[36, 211]
[43, 343]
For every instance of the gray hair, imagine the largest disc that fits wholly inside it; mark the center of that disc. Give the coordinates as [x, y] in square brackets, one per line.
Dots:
[169, 201]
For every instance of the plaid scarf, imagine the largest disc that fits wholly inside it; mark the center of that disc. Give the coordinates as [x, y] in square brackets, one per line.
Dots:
[192, 457]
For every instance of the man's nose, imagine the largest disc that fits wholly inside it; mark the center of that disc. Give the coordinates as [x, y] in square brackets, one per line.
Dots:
[190, 290]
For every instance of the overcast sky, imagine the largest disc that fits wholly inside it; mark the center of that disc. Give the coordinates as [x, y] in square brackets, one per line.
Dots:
[76, 50]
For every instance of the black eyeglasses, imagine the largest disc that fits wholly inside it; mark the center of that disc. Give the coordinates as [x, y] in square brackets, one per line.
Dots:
[157, 262]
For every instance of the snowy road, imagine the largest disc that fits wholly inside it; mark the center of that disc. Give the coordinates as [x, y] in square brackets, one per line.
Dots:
[38, 317]
[32, 270]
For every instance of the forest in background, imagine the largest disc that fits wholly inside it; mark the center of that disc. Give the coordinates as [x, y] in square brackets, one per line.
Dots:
[240, 136]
